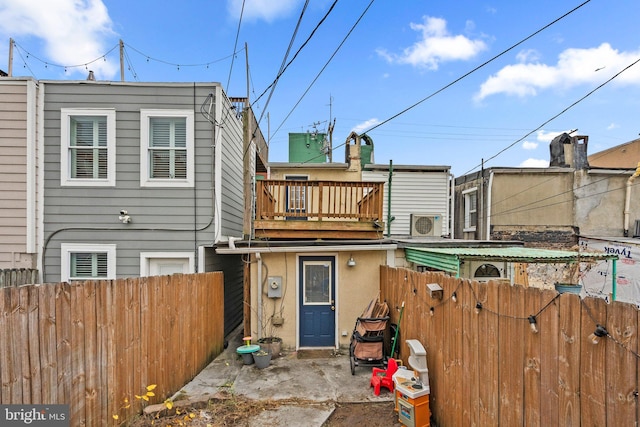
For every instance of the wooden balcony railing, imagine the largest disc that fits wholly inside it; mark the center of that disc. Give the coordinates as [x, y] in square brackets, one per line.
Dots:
[314, 208]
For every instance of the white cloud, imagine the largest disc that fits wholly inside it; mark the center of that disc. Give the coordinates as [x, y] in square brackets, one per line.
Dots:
[535, 163]
[574, 67]
[613, 126]
[266, 10]
[73, 31]
[365, 125]
[529, 145]
[437, 45]
[529, 55]
[544, 136]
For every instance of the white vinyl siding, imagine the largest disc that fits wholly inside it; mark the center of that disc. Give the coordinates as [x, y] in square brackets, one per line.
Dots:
[87, 261]
[166, 152]
[88, 155]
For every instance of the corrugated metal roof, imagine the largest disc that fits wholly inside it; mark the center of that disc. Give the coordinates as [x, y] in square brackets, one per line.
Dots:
[449, 259]
[516, 254]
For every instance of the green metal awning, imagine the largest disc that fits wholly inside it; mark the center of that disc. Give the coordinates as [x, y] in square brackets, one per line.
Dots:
[449, 259]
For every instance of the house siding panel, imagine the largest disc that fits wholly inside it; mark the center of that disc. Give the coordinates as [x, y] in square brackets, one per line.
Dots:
[16, 103]
[232, 197]
[413, 193]
[163, 218]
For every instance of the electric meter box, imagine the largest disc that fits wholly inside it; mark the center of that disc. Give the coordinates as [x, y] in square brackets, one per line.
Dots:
[274, 286]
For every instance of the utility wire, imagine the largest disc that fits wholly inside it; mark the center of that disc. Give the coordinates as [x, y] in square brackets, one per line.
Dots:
[297, 52]
[284, 61]
[559, 114]
[235, 46]
[324, 67]
[476, 68]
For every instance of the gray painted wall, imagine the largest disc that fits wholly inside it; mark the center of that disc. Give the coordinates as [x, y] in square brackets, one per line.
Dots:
[164, 219]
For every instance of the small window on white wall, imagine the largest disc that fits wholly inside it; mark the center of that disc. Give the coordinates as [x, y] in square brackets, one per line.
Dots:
[87, 261]
[88, 147]
[166, 148]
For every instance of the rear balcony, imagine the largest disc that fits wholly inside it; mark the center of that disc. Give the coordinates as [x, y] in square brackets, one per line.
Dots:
[288, 209]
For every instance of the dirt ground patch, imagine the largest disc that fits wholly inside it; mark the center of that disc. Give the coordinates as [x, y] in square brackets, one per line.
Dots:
[237, 410]
[359, 414]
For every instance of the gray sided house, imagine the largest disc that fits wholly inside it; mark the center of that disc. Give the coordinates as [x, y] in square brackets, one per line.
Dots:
[140, 179]
[18, 173]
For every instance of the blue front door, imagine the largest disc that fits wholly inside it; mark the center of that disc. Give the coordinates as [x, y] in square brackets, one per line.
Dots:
[317, 301]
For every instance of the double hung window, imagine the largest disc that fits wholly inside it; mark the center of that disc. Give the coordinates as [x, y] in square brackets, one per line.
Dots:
[88, 142]
[87, 261]
[167, 157]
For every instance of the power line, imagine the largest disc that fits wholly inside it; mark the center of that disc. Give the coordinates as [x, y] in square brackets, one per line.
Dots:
[284, 60]
[324, 67]
[235, 46]
[527, 207]
[559, 114]
[298, 51]
[477, 68]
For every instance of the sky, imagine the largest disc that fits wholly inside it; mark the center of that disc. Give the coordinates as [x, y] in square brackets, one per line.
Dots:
[461, 84]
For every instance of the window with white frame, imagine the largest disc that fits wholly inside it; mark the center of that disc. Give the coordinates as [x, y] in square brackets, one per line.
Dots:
[166, 148]
[82, 261]
[88, 147]
[470, 209]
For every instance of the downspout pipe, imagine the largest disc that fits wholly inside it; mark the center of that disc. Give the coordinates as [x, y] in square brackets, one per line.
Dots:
[488, 231]
[259, 308]
[389, 217]
[452, 195]
[627, 200]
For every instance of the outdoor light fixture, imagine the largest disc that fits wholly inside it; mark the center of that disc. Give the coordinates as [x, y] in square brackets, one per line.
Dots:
[435, 290]
[124, 217]
[533, 324]
[478, 307]
[431, 311]
[351, 262]
[454, 297]
[598, 333]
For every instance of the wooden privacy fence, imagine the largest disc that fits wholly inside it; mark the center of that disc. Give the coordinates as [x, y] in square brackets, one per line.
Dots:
[18, 276]
[487, 367]
[95, 344]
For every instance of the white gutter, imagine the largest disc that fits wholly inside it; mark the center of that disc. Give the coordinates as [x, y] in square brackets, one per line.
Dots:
[488, 231]
[305, 249]
[627, 200]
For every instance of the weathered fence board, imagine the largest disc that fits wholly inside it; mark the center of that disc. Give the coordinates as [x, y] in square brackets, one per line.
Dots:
[490, 368]
[93, 345]
[622, 378]
[532, 392]
[593, 380]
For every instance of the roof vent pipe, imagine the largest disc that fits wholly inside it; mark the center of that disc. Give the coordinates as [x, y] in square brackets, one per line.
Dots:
[627, 200]
[91, 77]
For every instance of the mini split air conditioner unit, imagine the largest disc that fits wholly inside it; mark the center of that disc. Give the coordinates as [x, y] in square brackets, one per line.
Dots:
[426, 225]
